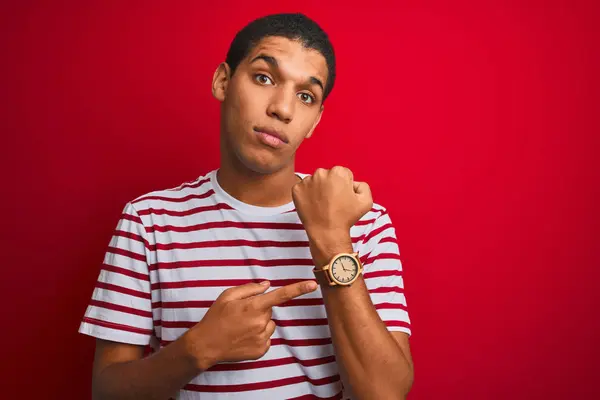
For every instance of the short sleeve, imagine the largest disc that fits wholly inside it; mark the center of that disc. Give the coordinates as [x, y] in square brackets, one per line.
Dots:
[380, 256]
[120, 309]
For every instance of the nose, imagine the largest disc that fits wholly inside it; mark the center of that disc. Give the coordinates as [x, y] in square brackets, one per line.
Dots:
[282, 105]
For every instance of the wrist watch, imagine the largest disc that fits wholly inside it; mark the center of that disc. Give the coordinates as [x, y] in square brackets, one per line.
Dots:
[342, 270]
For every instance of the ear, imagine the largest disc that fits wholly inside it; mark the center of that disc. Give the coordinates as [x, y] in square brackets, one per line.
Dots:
[316, 123]
[220, 81]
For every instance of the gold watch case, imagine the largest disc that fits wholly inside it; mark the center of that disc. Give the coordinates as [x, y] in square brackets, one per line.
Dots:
[342, 270]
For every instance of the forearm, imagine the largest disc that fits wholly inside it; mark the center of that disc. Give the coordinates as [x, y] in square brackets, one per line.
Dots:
[158, 376]
[374, 364]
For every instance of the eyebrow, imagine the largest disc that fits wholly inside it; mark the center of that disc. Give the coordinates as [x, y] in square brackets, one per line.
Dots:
[273, 62]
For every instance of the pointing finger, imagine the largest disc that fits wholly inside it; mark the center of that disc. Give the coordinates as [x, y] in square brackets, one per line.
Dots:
[284, 294]
[243, 291]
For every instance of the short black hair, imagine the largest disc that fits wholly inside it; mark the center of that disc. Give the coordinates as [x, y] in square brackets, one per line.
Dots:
[293, 26]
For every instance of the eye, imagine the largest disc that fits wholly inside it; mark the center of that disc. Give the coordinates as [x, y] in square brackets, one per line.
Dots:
[306, 98]
[262, 79]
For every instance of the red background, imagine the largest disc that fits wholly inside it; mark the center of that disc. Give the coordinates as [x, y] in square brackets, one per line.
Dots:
[476, 125]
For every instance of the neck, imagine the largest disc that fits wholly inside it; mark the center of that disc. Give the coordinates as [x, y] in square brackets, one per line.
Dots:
[263, 190]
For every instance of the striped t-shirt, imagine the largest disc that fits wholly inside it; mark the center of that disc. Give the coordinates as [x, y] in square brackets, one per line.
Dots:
[173, 253]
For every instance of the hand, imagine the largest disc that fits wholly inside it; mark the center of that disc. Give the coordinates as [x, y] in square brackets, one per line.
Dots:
[238, 326]
[328, 203]
[330, 200]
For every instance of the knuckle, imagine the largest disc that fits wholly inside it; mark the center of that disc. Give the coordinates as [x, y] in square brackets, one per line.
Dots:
[296, 189]
[266, 335]
[257, 352]
[301, 288]
[258, 324]
[223, 298]
[342, 171]
[267, 345]
[261, 346]
[267, 321]
[286, 295]
[267, 315]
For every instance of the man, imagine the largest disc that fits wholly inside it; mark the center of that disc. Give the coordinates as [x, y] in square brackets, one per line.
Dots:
[219, 275]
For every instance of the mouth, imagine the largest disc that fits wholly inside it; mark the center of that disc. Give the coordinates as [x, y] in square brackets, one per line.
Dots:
[274, 134]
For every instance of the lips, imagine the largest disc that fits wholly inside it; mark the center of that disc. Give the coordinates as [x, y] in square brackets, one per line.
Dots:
[269, 131]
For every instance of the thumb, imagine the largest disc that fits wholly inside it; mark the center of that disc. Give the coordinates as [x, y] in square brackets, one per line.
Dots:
[244, 291]
[363, 192]
[362, 189]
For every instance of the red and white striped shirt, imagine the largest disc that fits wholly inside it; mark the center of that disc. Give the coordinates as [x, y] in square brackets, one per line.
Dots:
[174, 252]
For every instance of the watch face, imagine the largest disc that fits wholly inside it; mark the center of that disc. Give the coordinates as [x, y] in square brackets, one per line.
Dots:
[344, 269]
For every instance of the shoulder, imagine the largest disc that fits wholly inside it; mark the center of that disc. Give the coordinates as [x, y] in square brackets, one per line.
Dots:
[199, 188]
[375, 214]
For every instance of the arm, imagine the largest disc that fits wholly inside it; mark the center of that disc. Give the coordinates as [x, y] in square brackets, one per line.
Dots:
[120, 372]
[236, 327]
[119, 316]
[377, 363]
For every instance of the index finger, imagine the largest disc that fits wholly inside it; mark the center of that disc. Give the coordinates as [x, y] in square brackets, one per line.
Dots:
[284, 294]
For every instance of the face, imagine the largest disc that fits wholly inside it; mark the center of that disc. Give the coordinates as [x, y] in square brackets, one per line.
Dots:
[271, 104]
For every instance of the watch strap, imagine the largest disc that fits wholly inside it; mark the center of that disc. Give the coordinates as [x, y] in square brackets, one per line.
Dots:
[322, 276]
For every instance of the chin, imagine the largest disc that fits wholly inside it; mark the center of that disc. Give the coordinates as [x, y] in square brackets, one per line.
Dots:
[261, 164]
